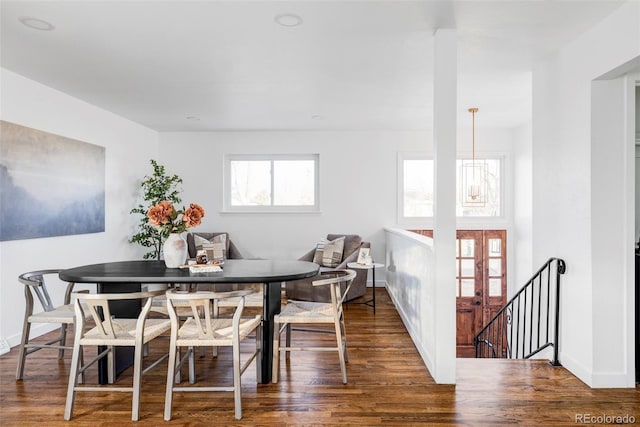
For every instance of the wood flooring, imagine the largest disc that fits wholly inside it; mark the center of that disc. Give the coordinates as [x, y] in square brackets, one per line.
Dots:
[388, 385]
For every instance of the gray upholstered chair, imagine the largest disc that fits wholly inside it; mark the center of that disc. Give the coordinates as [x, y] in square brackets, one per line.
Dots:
[303, 290]
[195, 240]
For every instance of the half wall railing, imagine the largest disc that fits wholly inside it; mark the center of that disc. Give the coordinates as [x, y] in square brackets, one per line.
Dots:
[528, 323]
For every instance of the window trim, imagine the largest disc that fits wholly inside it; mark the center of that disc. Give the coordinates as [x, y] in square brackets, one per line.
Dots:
[227, 207]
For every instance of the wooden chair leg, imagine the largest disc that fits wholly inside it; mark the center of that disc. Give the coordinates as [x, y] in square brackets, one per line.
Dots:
[344, 340]
[237, 383]
[341, 353]
[137, 381]
[62, 340]
[111, 365]
[81, 364]
[287, 353]
[171, 374]
[26, 329]
[215, 313]
[259, 351]
[192, 364]
[178, 374]
[276, 353]
[73, 381]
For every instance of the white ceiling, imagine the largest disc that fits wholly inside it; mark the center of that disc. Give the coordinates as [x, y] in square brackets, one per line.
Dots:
[227, 65]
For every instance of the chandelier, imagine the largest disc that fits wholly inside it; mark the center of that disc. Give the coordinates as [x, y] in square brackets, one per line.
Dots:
[474, 192]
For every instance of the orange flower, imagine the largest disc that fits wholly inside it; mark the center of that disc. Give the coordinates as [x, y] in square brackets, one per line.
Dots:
[160, 213]
[164, 217]
[193, 215]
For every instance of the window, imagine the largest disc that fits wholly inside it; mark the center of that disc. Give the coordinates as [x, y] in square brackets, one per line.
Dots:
[490, 191]
[271, 183]
[416, 187]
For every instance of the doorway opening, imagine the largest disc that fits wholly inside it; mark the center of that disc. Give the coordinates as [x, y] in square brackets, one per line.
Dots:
[481, 282]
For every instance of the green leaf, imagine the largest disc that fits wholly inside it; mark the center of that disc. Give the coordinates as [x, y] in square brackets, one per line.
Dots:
[155, 188]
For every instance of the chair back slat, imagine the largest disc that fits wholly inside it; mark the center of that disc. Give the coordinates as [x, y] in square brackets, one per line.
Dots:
[200, 303]
[103, 322]
[36, 284]
[341, 275]
[42, 293]
[98, 305]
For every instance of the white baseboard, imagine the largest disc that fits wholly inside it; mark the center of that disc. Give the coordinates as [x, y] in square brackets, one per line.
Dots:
[37, 329]
[4, 347]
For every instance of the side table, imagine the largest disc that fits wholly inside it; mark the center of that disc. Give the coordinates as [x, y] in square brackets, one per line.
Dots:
[372, 267]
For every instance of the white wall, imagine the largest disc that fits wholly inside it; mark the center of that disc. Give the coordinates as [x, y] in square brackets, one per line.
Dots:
[358, 182]
[522, 238]
[128, 149]
[563, 187]
[357, 185]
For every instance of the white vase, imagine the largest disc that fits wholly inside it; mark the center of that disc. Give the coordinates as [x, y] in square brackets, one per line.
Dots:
[175, 250]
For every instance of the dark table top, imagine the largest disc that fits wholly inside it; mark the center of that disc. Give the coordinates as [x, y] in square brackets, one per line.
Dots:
[233, 271]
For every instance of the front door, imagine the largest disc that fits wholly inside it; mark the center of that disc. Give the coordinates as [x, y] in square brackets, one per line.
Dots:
[481, 282]
[469, 290]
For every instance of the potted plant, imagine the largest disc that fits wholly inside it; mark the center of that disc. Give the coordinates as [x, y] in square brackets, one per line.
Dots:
[171, 223]
[156, 188]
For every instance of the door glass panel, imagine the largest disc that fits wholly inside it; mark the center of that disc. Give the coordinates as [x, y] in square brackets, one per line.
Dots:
[495, 247]
[468, 287]
[467, 247]
[495, 267]
[495, 287]
[468, 268]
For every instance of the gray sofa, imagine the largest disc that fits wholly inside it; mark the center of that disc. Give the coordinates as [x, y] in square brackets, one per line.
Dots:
[303, 290]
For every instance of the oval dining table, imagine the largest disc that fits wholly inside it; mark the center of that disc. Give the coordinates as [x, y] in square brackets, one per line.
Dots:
[129, 276]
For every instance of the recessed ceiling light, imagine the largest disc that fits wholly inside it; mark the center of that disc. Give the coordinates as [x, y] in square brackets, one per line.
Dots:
[317, 117]
[36, 24]
[288, 20]
[193, 118]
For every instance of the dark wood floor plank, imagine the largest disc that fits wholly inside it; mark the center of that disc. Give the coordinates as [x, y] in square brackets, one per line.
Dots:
[388, 385]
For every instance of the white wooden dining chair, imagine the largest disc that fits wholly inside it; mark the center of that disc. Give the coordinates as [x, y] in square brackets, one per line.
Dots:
[254, 299]
[35, 285]
[113, 332]
[308, 312]
[202, 329]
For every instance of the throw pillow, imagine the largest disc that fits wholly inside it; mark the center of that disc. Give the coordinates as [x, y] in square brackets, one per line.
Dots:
[215, 247]
[332, 252]
[317, 256]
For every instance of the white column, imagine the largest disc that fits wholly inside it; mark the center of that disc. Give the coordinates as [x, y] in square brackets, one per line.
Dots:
[445, 82]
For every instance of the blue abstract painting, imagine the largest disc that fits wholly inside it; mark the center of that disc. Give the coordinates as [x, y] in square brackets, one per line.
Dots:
[50, 185]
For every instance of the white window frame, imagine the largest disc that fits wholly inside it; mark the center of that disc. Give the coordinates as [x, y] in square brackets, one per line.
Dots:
[228, 207]
[462, 221]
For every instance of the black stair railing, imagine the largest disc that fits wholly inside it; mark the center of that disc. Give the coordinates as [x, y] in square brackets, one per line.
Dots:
[528, 323]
